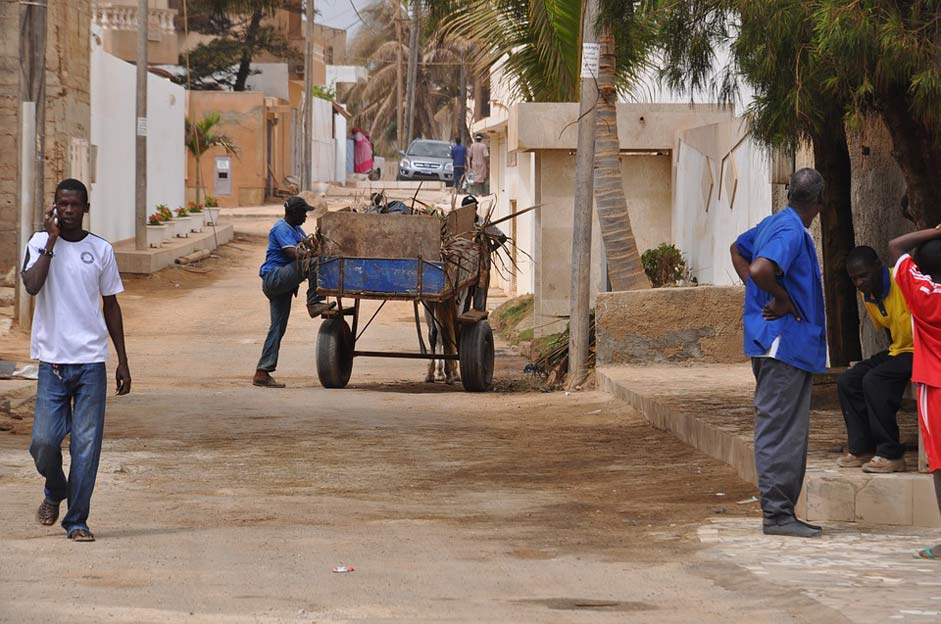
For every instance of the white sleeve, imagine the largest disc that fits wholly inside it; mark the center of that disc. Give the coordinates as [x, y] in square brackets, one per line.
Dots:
[110, 280]
[34, 247]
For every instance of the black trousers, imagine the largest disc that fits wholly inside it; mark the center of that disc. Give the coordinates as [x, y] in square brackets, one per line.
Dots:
[870, 395]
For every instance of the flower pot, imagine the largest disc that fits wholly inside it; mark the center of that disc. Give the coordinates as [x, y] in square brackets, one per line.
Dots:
[211, 216]
[183, 226]
[198, 221]
[156, 234]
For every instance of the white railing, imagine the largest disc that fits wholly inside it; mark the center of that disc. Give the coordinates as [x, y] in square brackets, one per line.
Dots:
[120, 17]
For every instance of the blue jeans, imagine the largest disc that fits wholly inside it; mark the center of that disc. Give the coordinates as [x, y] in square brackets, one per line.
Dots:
[280, 285]
[70, 398]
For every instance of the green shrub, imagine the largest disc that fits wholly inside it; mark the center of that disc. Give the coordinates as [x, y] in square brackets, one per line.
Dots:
[664, 265]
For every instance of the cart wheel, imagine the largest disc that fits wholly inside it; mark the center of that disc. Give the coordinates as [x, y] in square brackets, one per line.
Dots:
[476, 356]
[334, 353]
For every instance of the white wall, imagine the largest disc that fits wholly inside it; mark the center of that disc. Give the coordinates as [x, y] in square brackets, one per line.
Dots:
[323, 168]
[340, 131]
[113, 131]
[271, 79]
[345, 74]
[706, 223]
[525, 192]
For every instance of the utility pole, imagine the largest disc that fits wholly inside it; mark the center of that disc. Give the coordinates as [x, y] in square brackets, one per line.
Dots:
[32, 134]
[399, 129]
[584, 201]
[308, 123]
[412, 78]
[140, 156]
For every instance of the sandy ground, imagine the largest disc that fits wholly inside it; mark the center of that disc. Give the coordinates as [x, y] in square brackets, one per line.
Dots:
[221, 502]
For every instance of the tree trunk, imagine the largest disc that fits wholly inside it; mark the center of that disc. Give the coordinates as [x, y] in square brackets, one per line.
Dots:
[198, 179]
[399, 98]
[625, 270]
[580, 303]
[462, 122]
[832, 160]
[412, 77]
[248, 51]
[918, 153]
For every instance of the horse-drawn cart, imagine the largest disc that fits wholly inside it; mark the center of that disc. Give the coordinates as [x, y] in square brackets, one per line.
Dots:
[437, 263]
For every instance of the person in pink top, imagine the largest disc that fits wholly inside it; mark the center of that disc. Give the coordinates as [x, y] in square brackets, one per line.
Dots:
[362, 152]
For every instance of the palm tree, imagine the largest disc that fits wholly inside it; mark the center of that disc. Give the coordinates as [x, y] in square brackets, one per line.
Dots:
[538, 38]
[625, 270]
[201, 137]
[373, 102]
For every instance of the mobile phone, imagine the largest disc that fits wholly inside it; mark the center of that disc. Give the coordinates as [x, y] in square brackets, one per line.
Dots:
[55, 216]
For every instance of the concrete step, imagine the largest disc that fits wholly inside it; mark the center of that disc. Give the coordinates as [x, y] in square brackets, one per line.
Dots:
[710, 408]
[130, 260]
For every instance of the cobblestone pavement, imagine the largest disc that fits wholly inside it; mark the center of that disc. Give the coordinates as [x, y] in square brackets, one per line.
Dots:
[867, 575]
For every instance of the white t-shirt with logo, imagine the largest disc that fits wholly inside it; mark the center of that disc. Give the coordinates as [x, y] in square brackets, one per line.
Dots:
[68, 324]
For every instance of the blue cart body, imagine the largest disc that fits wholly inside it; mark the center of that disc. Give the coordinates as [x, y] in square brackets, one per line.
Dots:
[381, 278]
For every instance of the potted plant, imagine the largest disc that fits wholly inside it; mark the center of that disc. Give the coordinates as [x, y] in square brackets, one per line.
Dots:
[195, 212]
[211, 214]
[183, 221]
[156, 230]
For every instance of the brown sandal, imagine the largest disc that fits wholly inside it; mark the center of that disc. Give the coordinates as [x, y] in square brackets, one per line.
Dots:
[81, 535]
[48, 512]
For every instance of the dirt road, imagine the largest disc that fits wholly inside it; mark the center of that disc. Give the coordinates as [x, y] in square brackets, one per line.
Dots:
[221, 502]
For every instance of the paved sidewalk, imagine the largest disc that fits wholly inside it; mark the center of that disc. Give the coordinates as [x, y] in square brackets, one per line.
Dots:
[866, 576]
[710, 408]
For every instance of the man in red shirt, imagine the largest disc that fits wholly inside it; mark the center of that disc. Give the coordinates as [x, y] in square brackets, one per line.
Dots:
[919, 279]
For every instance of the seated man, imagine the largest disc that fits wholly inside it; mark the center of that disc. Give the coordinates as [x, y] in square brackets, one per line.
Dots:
[871, 391]
[287, 264]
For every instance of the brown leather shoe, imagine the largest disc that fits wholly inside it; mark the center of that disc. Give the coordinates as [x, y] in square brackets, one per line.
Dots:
[265, 380]
[883, 465]
[316, 309]
[853, 461]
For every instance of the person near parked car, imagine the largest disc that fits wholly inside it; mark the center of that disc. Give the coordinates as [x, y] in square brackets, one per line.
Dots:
[478, 159]
[459, 161]
[362, 152]
[871, 391]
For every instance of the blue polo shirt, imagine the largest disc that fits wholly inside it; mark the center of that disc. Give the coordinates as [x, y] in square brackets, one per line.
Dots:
[282, 235]
[783, 239]
[458, 155]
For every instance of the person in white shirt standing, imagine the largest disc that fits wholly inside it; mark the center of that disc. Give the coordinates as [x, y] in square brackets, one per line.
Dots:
[69, 270]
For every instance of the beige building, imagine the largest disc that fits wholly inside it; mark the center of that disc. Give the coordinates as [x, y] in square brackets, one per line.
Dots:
[261, 128]
[118, 22]
[532, 163]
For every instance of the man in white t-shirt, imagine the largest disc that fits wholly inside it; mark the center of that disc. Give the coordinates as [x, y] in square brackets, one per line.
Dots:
[70, 272]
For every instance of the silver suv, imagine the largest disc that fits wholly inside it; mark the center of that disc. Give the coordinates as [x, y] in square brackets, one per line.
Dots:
[427, 160]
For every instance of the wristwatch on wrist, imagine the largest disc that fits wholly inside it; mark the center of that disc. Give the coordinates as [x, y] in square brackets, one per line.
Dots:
[46, 252]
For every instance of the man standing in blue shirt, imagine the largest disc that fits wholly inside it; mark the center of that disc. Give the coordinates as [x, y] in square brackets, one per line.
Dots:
[285, 268]
[459, 161]
[785, 336]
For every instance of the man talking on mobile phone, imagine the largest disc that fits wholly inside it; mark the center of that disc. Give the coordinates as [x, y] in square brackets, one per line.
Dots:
[69, 270]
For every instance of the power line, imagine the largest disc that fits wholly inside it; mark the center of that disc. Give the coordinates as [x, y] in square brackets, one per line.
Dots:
[357, 13]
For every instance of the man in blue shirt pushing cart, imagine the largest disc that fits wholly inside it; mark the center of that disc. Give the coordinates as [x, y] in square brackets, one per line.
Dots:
[287, 264]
